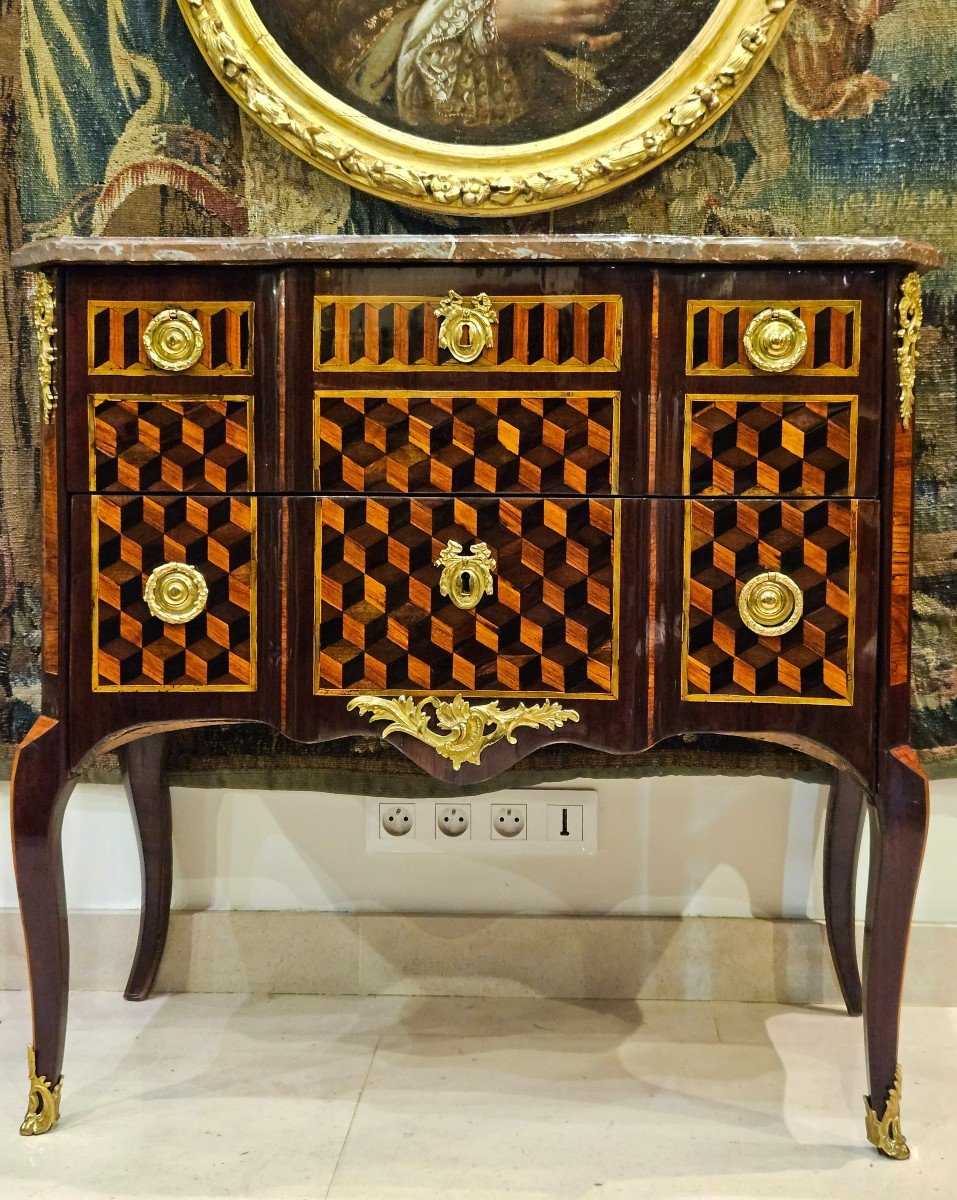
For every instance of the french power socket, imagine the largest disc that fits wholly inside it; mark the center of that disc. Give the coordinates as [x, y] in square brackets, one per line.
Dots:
[531, 822]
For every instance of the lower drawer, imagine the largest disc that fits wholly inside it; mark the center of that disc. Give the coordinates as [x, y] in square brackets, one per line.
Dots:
[174, 582]
[770, 600]
[766, 621]
[490, 597]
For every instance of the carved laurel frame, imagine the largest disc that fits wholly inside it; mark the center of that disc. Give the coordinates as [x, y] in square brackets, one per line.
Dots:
[487, 180]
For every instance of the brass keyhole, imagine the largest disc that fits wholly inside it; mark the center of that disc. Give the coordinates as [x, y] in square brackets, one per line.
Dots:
[468, 584]
[466, 326]
[466, 578]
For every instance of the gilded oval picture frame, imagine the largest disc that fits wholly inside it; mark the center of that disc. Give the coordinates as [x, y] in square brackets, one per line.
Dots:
[486, 107]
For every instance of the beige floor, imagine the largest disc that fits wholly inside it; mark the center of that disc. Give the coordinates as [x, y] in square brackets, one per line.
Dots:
[298, 1098]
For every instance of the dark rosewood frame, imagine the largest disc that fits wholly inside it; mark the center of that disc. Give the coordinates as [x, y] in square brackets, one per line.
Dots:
[875, 770]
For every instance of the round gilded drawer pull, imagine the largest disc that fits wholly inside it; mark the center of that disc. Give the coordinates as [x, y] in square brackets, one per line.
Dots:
[174, 340]
[776, 340]
[176, 593]
[771, 604]
[466, 328]
[466, 578]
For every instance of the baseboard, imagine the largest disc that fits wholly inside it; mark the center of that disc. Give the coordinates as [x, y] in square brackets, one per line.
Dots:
[613, 958]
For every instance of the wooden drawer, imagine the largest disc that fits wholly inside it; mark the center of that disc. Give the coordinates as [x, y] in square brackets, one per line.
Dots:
[767, 337]
[770, 382]
[158, 337]
[769, 609]
[174, 583]
[489, 441]
[770, 445]
[526, 332]
[171, 444]
[544, 620]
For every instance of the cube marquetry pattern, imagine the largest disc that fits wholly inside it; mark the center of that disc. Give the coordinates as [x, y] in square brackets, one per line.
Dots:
[728, 543]
[716, 331]
[135, 650]
[770, 445]
[116, 337]
[169, 444]
[549, 628]
[486, 442]
[554, 333]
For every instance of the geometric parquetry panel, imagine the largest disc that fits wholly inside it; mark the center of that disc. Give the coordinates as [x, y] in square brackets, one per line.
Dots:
[770, 445]
[116, 328]
[716, 329]
[548, 629]
[544, 333]
[377, 441]
[171, 444]
[135, 651]
[727, 543]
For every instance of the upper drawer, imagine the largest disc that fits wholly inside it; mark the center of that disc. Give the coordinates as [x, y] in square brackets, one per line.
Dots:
[773, 337]
[438, 441]
[771, 382]
[171, 443]
[482, 332]
[153, 337]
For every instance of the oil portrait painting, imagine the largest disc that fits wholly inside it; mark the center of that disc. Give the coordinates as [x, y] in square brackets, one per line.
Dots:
[485, 71]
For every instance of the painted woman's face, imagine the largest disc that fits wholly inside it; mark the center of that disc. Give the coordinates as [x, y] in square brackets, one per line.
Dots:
[497, 72]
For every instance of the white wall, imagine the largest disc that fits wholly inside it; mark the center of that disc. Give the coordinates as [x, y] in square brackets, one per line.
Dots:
[707, 846]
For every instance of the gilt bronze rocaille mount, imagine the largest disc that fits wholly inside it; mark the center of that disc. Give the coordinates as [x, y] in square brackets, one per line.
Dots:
[44, 315]
[43, 1105]
[354, 513]
[467, 729]
[885, 1132]
[911, 311]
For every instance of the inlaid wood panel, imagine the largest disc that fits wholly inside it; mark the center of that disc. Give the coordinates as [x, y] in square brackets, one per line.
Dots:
[716, 328]
[116, 328]
[554, 333]
[135, 651]
[770, 445]
[729, 542]
[384, 441]
[171, 444]
[549, 628]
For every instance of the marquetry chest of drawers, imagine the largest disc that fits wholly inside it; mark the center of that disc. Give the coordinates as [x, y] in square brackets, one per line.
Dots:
[478, 495]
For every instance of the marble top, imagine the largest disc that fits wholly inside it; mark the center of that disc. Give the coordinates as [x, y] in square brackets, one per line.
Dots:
[583, 247]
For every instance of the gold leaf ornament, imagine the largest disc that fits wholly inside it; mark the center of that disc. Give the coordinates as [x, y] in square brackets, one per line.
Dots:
[886, 1133]
[467, 730]
[911, 311]
[43, 312]
[43, 1106]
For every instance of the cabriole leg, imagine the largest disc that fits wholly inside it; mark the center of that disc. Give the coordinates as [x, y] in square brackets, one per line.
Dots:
[842, 844]
[144, 776]
[40, 788]
[898, 832]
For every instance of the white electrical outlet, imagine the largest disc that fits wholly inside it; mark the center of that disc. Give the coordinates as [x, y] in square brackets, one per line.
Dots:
[531, 822]
[396, 820]
[508, 821]
[453, 820]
